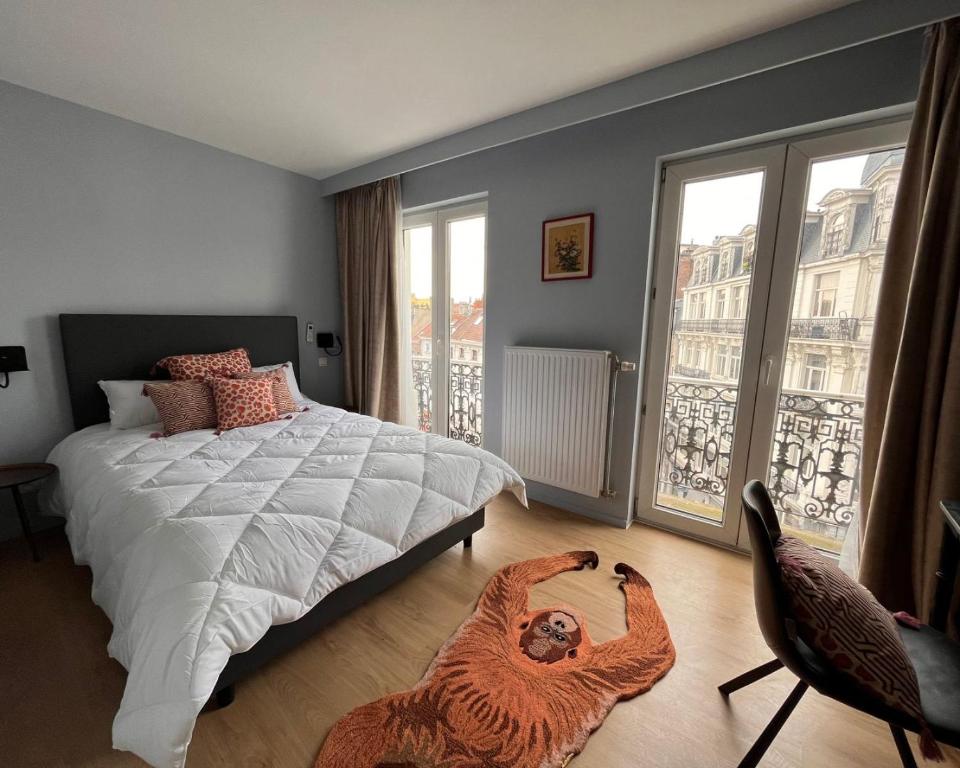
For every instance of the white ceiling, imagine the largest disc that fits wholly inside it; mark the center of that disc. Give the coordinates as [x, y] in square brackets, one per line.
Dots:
[319, 86]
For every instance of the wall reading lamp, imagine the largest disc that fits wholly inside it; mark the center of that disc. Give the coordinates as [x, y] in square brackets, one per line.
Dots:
[330, 343]
[11, 359]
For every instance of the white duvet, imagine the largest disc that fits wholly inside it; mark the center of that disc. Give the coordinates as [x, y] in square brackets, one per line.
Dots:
[199, 543]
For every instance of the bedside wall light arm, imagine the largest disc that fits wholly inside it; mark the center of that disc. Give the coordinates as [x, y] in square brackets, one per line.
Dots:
[11, 359]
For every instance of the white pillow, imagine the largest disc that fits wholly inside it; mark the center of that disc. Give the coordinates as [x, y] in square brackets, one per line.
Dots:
[291, 378]
[129, 407]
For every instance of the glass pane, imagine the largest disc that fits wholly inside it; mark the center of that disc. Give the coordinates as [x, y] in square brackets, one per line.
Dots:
[714, 264]
[815, 461]
[467, 249]
[418, 246]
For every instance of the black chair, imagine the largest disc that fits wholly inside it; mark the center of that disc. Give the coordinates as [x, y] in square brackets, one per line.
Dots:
[935, 658]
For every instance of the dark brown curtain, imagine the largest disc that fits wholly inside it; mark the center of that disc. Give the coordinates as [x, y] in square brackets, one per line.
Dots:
[368, 247]
[912, 421]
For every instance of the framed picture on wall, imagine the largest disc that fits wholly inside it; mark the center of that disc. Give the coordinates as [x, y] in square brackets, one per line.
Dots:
[568, 248]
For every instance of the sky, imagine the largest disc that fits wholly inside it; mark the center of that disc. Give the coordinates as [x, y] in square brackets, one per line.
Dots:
[466, 259]
[726, 205]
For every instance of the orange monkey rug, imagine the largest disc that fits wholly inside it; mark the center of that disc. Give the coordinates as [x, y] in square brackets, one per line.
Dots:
[512, 688]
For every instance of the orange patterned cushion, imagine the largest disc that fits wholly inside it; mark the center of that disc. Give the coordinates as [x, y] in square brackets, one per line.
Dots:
[182, 405]
[243, 402]
[281, 391]
[199, 367]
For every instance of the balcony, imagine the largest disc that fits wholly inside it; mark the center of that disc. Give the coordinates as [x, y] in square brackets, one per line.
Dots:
[466, 399]
[814, 465]
[726, 326]
[833, 328]
[690, 372]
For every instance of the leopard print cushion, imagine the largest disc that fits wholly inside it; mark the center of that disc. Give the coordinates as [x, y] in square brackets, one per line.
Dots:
[183, 405]
[243, 402]
[199, 367]
[281, 391]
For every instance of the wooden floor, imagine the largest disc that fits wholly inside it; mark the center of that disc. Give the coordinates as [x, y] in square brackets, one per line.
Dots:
[59, 690]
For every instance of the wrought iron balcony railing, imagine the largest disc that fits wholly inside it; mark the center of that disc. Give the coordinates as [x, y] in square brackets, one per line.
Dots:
[690, 372]
[814, 465]
[733, 326]
[836, 328]
[466, 399]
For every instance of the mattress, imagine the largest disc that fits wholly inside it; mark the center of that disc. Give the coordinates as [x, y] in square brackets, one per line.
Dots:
[199, 543]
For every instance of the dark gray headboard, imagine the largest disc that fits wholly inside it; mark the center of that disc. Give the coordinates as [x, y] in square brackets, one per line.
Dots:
[126, 347]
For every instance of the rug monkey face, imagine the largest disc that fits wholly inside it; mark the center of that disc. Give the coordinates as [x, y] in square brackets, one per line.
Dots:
[550, 636]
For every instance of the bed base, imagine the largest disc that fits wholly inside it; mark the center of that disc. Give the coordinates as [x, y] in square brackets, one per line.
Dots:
[281, 638]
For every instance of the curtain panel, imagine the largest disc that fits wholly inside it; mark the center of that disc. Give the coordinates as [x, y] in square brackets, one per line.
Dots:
[368, 249]
[912, 414]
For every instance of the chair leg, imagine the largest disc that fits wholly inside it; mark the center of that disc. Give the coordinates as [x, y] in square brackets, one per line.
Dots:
[742, 681]
[903, 746]
[760, 746]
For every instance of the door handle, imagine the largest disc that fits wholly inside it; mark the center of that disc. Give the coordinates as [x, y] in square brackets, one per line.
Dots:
[768, 369]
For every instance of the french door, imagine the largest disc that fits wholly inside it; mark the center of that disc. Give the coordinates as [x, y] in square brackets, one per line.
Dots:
[443, 285]
[765, 288]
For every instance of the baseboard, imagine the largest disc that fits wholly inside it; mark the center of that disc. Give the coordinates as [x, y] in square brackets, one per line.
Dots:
[563, 500]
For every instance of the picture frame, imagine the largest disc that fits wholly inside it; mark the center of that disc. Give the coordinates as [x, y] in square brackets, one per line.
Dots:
[567, 248]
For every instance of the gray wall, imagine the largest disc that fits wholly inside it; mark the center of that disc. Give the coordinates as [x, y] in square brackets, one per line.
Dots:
[99, 214]
[609, 166]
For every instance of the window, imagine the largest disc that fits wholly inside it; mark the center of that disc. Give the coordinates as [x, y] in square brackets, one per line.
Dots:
[815, 372]
[721, 361]
[698, 359]
[721, 304]
[834, 242]
[724, 266]
[734, 363]
[790, 381]
[825, 294]
[700, 270]
[738, 303]
[698, 307]
[442, 280]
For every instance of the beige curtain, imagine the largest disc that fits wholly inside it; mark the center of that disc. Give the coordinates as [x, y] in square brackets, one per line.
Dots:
[912, 422]
[368, 247]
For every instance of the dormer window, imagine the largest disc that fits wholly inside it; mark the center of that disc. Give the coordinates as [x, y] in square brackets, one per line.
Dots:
[833, 246]
[724, 265]
[700, 270]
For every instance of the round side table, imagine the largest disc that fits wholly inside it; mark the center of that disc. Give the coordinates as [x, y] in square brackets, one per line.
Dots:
[12, 476]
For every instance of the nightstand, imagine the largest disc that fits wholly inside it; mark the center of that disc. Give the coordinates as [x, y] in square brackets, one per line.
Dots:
[12, 476]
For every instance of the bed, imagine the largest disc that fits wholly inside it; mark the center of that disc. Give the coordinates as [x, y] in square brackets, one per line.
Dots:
[211, 554]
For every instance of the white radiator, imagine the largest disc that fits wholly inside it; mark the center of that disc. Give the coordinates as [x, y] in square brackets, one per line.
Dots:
[555, 415]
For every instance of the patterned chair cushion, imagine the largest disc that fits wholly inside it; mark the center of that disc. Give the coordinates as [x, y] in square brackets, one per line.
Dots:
[182, 405]
[282, 398]
[199, 367]
[243, 402]
[847, 626]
